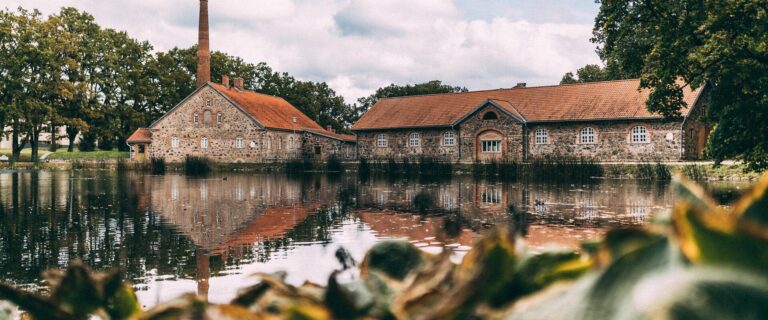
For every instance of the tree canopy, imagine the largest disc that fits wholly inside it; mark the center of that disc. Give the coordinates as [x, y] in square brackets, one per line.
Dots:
[670, 45]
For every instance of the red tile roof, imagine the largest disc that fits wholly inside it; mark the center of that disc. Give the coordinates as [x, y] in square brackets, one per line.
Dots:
[141, 135]
[575, 102]
[334, 135]
[272, 112]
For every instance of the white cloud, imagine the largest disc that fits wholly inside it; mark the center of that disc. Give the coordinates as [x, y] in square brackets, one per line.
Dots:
[359, 45]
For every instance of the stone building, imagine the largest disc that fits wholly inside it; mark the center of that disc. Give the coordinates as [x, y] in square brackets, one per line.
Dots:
[605, 121]
[229, 124]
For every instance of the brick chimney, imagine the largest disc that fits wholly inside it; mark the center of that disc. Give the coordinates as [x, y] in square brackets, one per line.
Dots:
[238, 84]
[225, 81]
[203, 47]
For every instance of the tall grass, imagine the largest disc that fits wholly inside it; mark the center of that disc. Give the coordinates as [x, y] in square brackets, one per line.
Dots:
[416, 166]
[158, 166]
[695, 172]
[197, 166]
[650, 171]
[333, 164]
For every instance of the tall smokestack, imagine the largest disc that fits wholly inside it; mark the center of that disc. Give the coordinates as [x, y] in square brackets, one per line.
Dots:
[203, 47]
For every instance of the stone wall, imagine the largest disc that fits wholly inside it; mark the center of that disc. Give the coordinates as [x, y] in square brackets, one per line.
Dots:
[259, 145]
[612, 141]
[398, 144]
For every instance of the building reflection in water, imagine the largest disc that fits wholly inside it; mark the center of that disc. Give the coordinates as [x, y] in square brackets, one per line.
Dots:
[165, 230]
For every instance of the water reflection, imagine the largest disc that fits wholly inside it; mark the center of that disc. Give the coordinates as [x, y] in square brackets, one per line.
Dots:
[174, 234]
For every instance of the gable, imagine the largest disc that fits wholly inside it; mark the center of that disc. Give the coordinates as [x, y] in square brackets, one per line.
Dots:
[184, 110]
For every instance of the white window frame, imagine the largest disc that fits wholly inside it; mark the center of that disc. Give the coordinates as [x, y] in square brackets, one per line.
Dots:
[204, 143]
[219, 118]
[381, 140]
[639, 134]
[208, 102]
[175, 142]
[449, 138]
[541, 136]
[414, 140]
[197, 119]
[588, 135]
[239, 144]
[490, 146]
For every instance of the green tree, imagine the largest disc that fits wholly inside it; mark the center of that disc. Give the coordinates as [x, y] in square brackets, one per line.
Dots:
[588, 73]
[393, 90]
[43, 50]
[176, 79]
[675, 44]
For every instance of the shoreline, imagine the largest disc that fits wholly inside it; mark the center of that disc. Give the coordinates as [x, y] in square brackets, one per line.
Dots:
[729, 171]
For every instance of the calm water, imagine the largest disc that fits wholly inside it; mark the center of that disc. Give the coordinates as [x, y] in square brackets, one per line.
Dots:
[174, 234]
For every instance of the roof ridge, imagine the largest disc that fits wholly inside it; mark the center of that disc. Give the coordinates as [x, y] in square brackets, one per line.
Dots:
[247, 90]
[513, 88]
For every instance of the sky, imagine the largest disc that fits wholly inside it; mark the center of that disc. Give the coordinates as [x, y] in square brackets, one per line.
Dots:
[357, 46]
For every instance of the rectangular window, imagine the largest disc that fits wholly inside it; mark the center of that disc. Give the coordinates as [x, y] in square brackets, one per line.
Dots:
[203, 143]
[175, 142]
[448, 138]
[542, 136]
[218, 118]
[491, 146]
[414, 141]
[239, 143]
[381, 142]
[197, 119]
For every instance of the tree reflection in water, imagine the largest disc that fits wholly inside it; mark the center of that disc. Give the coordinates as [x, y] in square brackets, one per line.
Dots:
[198, 229]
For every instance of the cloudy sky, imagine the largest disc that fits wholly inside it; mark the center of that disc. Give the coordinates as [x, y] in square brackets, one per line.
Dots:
[359, 45]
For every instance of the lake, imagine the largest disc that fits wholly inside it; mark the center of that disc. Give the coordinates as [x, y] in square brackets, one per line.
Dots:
[174, 234]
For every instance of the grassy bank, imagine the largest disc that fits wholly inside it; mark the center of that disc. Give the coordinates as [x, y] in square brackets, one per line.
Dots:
[62, 154]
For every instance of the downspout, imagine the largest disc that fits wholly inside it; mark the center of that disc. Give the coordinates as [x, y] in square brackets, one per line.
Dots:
[130, 149]
[458, 145]
[525, 141]
[682, 137]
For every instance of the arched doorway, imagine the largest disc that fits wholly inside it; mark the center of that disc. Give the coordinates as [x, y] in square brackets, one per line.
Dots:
[489, 146]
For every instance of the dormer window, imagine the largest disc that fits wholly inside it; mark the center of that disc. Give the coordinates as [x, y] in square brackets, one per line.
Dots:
[490, 115]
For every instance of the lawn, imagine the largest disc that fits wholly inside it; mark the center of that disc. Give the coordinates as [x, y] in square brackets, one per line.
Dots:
[62, 154]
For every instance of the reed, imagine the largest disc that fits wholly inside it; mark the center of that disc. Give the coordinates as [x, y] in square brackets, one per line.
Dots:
[157, 166]
[197, 166]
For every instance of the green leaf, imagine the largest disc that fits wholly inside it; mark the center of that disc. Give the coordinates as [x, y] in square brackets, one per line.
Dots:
[717, 239]
[123, 303]
[752, 207]
[394, 258]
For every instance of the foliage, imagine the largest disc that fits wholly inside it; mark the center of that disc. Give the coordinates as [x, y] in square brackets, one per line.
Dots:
[588, 73]
[709, 262]
[393, 90]
[674, 44]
